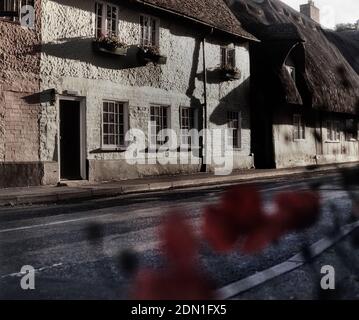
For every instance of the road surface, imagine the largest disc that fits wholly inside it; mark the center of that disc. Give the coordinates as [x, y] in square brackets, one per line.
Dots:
[54, 239]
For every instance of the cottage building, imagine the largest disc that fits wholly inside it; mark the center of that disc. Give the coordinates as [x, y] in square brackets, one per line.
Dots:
[101, 92]
[305, 86]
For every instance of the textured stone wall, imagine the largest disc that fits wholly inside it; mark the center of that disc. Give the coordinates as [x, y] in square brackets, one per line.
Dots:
[311, 151]
[69, 63]
[19, 103]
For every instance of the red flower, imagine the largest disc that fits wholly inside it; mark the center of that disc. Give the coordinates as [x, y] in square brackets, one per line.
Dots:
[219, 229]
[237, 215]
[181, 278]
[297, 210]
[179, 243]
[240, 218]
[243, 205]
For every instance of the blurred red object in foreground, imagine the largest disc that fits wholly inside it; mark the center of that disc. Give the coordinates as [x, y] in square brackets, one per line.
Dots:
[181, 279]
[240, 218]
[171, 285]
[297, 210]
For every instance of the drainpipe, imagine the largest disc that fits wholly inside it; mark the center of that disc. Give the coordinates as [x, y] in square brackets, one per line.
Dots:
[205, 105]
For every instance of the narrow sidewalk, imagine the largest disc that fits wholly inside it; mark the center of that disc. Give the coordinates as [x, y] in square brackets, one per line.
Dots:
[85, 190]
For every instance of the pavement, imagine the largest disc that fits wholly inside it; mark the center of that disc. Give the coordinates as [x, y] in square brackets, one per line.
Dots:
[79, 191]
[69, 264]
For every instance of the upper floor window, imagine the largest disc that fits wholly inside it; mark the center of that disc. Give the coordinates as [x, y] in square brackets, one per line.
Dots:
[159, 117]
[290, 67]
[299, 127]
[186, 124]
[228, 58]
[351, 130]
[291, 71]
[114, 124]
[106, 19]
[11, 9]
[235, 124]
[149, 31]
[333, 130]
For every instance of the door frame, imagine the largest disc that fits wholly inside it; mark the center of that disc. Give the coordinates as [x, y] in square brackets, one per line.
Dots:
[83, 144]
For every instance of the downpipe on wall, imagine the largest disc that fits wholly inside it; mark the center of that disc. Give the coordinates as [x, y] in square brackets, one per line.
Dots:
[204, 167]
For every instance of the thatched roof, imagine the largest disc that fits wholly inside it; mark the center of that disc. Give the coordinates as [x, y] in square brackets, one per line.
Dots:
[348, 44]
[330, 65]
[214, 13]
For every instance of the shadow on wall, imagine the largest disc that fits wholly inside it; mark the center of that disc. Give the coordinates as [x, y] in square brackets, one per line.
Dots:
[81, 49]
[237, 97]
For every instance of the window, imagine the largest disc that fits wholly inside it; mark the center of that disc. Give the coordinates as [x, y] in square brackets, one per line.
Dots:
[159, 121]
[186, 124]
[351, 130]
[10, 9]
[333, 130]
[114, 123]
[299, 127]
[291, 71]
[106, 19]
[235, 124]
[149, 31]
[290, 67]
[228, 57]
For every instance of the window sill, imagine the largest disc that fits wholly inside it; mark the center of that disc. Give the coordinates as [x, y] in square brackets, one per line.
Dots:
[299, 140]
[110, 150]
[330, 141]
[5, 19]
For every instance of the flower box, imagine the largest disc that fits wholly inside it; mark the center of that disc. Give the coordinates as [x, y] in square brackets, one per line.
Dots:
[110, 45]
[150, 54]
[231, 73]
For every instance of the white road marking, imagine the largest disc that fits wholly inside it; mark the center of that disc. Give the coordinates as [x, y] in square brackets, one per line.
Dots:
[52, 224]
[20, 274]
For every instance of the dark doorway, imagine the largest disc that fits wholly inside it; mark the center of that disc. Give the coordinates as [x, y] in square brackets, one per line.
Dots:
[70, 146]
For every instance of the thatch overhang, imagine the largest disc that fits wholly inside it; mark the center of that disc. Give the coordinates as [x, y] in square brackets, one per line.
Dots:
[214, 14]
[327, 81]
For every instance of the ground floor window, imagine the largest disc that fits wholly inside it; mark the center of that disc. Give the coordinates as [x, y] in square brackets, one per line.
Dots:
[159, 117]
[186, 124]
[114, 124]
[299, 127]
[351, 130]
[333, 130]
[235, 124]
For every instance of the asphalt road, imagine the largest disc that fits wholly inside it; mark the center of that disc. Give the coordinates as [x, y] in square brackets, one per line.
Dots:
[54, 240]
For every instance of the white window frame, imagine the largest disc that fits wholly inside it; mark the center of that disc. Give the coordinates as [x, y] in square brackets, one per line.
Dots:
[231, 116]
[333, 131]
[185, 137]
[16, 5]
[104, 22]
[125, 125]
[150, 41]
[299, 127]
[225, 56]
[162, 125]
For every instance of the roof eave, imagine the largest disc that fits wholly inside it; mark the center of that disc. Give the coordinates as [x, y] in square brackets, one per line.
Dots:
[250, 37]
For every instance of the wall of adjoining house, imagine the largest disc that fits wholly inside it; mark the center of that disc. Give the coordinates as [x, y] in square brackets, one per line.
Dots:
[19, 109]
[69, 63]
[314, 149]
